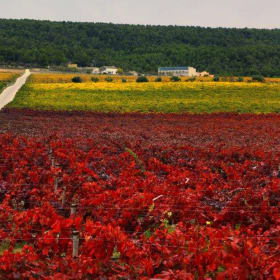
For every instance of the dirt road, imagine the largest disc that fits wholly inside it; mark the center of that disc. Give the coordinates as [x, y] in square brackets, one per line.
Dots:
[10, 92]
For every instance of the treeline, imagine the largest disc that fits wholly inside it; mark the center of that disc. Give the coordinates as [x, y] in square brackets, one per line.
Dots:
[220, 51]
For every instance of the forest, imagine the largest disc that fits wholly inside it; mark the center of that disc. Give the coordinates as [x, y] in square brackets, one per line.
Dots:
[221, 51]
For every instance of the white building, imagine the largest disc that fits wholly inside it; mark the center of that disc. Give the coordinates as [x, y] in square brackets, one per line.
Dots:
[89, 70]
[111, 70]
[204, 74]
[177, 71]
[133, 73]
[95, 70]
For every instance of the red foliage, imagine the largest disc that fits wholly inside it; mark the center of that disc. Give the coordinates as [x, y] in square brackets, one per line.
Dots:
[148, 207]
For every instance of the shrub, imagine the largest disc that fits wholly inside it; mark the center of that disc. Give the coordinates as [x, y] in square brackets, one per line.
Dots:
[142, 79]
[216, 79]
[124, 80]
[158, 79]
[258, 78]
[109, 79]
[192, 79]
[95, 79]
[240, 79]
[175, 79]
[77, 79]
[120, 71]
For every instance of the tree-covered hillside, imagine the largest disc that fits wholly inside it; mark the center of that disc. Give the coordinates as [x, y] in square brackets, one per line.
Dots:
[142, 48]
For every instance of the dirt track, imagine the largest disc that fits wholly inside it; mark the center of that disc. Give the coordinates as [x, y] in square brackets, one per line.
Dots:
[10, 92]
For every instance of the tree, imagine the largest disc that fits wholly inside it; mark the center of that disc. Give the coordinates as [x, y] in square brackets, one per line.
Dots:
[120, 71]
[222, 51]
[258, 78]
[77, 79]
[109, 79]
[94, 79]
[175, 79]
[142, 79]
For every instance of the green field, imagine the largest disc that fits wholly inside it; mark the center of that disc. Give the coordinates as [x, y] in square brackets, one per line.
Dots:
[193, 97]
[2, 85]
[6, 78]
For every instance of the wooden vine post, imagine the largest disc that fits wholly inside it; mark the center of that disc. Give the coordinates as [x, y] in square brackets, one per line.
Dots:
[75, 238]
[56, 179]
[53, 165]
[63, 197]
[55, 184]
[73, 209]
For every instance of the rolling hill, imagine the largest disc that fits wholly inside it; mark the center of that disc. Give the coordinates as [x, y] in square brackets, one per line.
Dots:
[221, 51]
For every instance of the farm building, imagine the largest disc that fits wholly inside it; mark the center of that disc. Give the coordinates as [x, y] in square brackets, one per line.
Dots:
[204, 74]
[91, 70]
[95, 70]
[132, 73]
[112, 70]
[72, 65]
[177, 71]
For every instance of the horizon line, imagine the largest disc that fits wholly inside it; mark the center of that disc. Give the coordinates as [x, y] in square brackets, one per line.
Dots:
[141, 24]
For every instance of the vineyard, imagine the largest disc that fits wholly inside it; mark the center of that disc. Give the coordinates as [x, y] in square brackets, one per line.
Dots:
[57, 92]
[140, 196]
[40, 78]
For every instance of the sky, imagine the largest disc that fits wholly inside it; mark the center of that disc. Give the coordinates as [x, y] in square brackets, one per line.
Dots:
[210, 13]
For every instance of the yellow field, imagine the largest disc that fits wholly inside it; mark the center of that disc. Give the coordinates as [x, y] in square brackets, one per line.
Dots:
[151, 86]
[272, 80]
[6, 76]
[67, 78]
[160, 97]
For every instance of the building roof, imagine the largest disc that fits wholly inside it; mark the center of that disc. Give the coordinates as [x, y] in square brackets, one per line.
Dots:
[173, 68]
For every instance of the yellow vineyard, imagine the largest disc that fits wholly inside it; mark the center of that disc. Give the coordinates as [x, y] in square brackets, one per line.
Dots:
[67, 78]
[151, 86]
[5, 76]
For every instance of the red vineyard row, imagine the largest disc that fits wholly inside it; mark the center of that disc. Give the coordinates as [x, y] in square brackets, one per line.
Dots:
[148, 207]
[145, 130]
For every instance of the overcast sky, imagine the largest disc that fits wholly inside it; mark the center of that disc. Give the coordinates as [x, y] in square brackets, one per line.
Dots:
[213, 13]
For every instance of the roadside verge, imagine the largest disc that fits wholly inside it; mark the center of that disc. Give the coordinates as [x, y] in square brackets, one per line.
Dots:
[10, 92]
